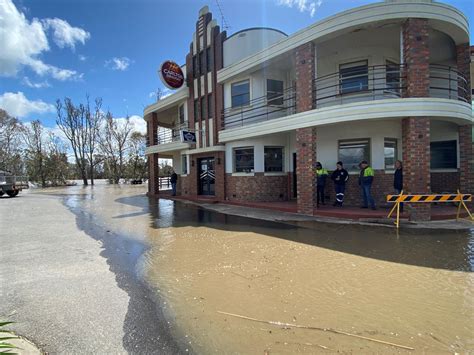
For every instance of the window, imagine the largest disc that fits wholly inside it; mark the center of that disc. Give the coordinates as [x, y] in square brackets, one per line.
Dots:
[444, 155]
[352, 152]
[243, 160]
[392, 76]
[181, 113]
[353, 77]
[274, 92]
[390, 150]
[240, 93]
[203, 108]
[202, 63]
[210, 106]
[208, 59]
[273, 159]
[195, 67]
[196, 110]
[184, 164]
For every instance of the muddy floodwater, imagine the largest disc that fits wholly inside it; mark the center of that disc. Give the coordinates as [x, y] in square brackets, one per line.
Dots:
[414, 290]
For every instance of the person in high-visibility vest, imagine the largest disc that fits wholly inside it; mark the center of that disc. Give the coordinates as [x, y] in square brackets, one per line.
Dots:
[366, 177]
[321, 176]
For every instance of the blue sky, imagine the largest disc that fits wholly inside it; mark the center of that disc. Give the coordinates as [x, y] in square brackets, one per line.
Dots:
[112, 48]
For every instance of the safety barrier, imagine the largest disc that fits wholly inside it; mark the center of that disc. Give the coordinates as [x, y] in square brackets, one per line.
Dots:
[460, 198]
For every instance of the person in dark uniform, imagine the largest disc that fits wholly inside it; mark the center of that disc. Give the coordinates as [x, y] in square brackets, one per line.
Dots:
[321, 176]
[340, 177]
[398, 180]
[173, 181]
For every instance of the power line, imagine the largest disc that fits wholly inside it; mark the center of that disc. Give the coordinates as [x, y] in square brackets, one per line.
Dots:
[225, 24]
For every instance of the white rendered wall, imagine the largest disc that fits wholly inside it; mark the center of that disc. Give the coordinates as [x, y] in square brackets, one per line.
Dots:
[248, 42]
[275, 140]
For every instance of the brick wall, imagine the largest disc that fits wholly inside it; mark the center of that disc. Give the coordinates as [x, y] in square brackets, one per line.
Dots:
[463, 60]
[466, 149]
[257, 188]
[416, 55]
[153, 186]
[444, 182]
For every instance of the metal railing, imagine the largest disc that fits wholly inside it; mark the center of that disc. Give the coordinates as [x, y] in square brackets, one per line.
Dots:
[260, 109]
[372, 83]
[448, 83]
[385, 82]
[164, 182]
[169, 135]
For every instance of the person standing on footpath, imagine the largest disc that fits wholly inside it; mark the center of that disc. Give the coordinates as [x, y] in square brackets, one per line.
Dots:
[173, 181]
[321, 176]
[398, 180]
[366, 178]
[340, 177]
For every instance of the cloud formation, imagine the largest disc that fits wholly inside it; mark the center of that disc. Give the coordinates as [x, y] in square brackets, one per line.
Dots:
[64, 35]
[302, 5]
[118, 63]
[17, 105]
[23, 41]
[26, 81]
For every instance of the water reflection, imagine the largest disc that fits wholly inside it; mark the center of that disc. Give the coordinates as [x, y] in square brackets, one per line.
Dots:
[448, 250]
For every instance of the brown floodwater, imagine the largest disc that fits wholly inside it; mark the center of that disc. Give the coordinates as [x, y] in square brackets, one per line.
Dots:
[415, 290]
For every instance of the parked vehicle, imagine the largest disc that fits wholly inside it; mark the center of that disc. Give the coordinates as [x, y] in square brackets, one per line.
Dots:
[11, 184]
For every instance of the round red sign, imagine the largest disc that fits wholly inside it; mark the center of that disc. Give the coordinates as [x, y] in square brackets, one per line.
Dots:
[171, 75]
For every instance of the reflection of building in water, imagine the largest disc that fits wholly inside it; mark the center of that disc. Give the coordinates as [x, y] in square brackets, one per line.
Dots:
[372, 83]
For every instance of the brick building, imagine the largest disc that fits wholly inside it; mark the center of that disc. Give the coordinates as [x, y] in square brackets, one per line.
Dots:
[381, 82]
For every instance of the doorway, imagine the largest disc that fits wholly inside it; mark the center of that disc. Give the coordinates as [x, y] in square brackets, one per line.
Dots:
[207, 176]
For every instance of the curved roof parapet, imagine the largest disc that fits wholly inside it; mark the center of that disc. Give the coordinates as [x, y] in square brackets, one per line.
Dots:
[249, 41]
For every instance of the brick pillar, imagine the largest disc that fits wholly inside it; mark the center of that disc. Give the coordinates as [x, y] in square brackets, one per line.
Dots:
[219, 166]
[305, 137]
[152, 138]
[466, 157]
[153, 175]
[463, 60]
[416, 130]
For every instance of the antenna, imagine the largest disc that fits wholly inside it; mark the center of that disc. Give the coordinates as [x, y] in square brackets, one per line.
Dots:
[225, 24]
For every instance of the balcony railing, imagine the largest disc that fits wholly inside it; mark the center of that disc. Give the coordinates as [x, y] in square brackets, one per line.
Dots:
[260, 109]
[385, 82]
[170, 135]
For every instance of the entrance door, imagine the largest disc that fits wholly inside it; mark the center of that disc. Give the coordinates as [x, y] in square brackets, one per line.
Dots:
[295, 185]
[207, 176]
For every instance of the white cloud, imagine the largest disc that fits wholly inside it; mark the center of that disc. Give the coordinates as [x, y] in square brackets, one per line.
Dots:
[22, 42]
[118, 63]
[302, 5]
[82, 58]
[16, 104]
[64, 35]
[139, 124]
[44, 84]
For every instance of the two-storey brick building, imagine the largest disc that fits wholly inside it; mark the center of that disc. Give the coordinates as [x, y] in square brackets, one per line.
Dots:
[380, 82]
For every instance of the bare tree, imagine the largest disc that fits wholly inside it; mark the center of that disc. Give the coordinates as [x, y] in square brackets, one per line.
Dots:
[11, 131]
[35, 153]
[71, 120]
[92, 126]
[56, 165]
[136, 166]
[113, 142]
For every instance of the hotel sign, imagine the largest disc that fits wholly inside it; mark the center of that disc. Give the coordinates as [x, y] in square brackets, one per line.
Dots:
[188, 137]
[171, 75]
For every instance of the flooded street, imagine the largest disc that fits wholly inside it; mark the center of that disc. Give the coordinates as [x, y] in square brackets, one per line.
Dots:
[415, 290]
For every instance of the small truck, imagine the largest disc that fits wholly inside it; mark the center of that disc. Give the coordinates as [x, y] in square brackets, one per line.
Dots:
[11, 184]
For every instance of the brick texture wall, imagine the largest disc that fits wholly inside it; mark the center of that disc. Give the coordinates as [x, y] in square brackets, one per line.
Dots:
[466, 149]
[416, 54]
[153, 188]
[463, 60]
[257, 188]
[444, 182]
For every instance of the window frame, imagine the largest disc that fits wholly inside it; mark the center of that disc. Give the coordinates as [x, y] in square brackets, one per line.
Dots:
[395, 158]
[368, 158]
[388, 87]
[243, 170]
[350, 65]
[184, 164]
[232, 96]
[282, 148]
[277, 94]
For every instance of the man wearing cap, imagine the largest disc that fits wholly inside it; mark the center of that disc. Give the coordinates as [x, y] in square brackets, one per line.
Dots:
[366, 177]
[321, 176]
[340, 177]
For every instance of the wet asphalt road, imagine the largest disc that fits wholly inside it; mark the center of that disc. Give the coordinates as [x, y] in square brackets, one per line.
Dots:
[70, 284]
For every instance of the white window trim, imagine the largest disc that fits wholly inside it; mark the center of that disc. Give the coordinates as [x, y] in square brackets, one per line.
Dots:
[250, 93]
[234, 161]
[266, 89]
[282, 160]
[350, 61]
